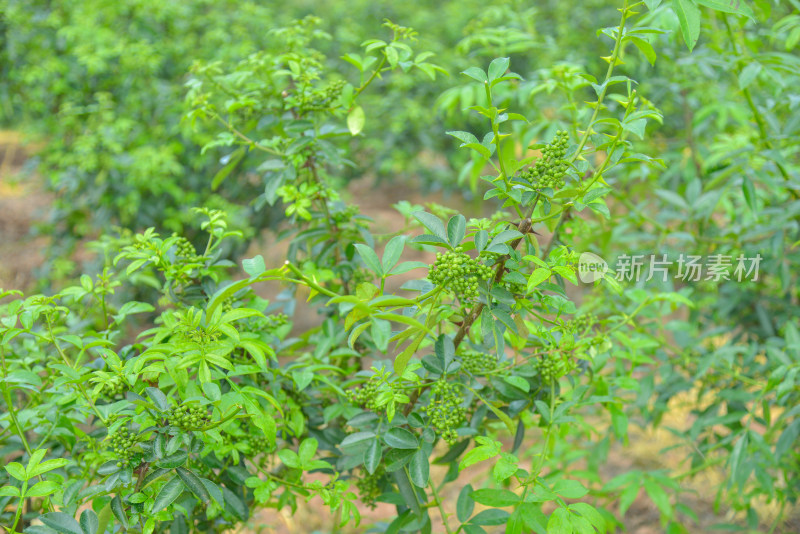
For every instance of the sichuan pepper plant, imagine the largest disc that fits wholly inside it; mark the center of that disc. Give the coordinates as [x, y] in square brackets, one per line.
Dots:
[193, 412]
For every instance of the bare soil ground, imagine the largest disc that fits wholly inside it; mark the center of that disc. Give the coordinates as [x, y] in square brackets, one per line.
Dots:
[23, 202]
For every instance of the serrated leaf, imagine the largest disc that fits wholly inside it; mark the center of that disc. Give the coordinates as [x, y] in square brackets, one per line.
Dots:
[433, 223]
[61, 522]
[89, 522]
[400, 438]
[465, 504]
[497, 498]
[195, 485]
[372, 456]
[419, 469]
[456, 229]
[370, 258]
[171, 491]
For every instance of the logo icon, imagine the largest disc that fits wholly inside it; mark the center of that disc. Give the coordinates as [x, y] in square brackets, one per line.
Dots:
[591, 267]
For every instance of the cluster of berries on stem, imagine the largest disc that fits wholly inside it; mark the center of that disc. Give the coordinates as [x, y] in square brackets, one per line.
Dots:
[459, 273]
[550, 169]
[187, 417]
[445, 410]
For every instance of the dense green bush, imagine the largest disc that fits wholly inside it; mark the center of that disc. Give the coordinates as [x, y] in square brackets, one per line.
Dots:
[192, 411]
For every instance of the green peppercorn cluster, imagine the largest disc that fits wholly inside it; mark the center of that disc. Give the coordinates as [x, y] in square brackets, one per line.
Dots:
[277, 320]
[259, 444]
[112, 388]
[227, 304]
[581, 323]
[550, 168]
[122, 443]
[322, 99]
[188, 417]
[445, 410]
[551, 367]
[184, 248]
[366, 395]
[370, 487]
[478, 362]
[459, 273]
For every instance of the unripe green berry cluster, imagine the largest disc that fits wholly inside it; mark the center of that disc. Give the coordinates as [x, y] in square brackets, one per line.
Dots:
[370, 487]
[259, 445]
[581, 323]
[184, 248]
[277, 320]
[188, 417]
[550, 169]
[551, 368]
[445, 410]
[122, 443]
[112, 388]
[459, 273]
[366, 395]
[478, 362]
[321, 99]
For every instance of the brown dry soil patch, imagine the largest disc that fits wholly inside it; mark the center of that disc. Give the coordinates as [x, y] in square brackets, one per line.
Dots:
[23, 202]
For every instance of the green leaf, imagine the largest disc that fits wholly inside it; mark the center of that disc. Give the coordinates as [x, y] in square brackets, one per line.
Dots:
[234, 504]
[646, 49]
[254, 266]
[658, 496]
[400, 438]
[538, 276]
[289, 458]
[518, 381]
[401, 360]
[749, 193]
[571, 489]
[61, 522]
[748, 74]
[476, 74]
[16, 470]
[372, 456]
[490, 517]
[370, 258]
[407, 491]
[737, 7]
[356, 120]
[689, 18]
[168, 494]
[465, 504]
[89, 522]
[559, 522]
[498, 67]
[307, 450]
[233, 160]
[498, 498]
[590, 514]
[43, 488]
[9, 491]
[195, 485]
[173, 460]
[158, 398]
[119, 511]
[392, 253]
[419, 469]
[456, 229]
[433, 223]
